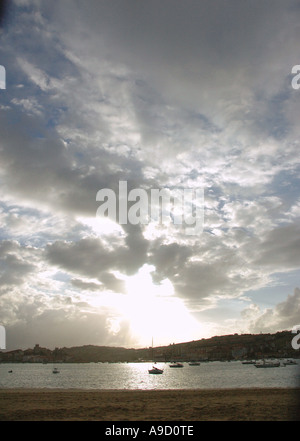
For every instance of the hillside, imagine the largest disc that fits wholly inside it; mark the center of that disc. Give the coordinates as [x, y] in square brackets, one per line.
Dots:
[225, 347]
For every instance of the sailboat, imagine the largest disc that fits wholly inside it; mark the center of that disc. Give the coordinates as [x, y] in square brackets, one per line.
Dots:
[155, 370]
[176, 365]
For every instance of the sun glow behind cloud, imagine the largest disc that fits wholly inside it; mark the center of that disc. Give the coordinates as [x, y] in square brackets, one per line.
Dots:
[101, 225]
[153, 312]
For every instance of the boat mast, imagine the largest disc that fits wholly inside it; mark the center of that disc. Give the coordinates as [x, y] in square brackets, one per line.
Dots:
[153, 352]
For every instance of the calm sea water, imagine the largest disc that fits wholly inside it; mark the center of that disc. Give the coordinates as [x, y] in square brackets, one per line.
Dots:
[136, 376]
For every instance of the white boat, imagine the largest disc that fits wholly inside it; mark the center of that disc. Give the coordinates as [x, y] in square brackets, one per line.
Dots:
[288, 362]
[55, 371]
[248, 362]
[267, 364]
[176, 365]
[155, 370]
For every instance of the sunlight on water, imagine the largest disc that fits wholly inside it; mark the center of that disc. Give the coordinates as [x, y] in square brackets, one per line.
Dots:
[135, 376]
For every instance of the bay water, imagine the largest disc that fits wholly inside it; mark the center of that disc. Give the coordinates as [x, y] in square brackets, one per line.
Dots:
[210, 375]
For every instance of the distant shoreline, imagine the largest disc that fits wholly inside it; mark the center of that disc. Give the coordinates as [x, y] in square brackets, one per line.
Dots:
[245, 404]
[219, 348]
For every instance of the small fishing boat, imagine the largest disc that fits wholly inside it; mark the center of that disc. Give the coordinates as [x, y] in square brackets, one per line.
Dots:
[267, 364]
[55, 370]
[176, 365]
[289, 362]
[155, 370]
[194, 363]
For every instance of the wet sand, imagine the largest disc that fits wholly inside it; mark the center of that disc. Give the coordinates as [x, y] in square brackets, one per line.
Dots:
[276, 404]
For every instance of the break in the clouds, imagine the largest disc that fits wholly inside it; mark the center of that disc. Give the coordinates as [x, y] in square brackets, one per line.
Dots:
[170, 94]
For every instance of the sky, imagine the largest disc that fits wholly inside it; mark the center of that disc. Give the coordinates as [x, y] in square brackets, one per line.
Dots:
[160, 95]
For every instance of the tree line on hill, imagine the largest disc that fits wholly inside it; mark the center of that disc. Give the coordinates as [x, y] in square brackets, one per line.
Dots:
[223, 348]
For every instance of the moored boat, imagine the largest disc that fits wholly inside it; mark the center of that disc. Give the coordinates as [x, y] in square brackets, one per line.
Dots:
[289, 362]
[176, 365]
[155, 370]
[267, 364]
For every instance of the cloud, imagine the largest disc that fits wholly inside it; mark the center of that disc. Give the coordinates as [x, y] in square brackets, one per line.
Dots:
[91, 258]
[14, 266]
[162, 95]
[284, 315]
[68, 326]
[89, 286]
[280, 248]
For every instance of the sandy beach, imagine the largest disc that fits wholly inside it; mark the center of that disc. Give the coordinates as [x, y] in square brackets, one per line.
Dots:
[274, 404]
